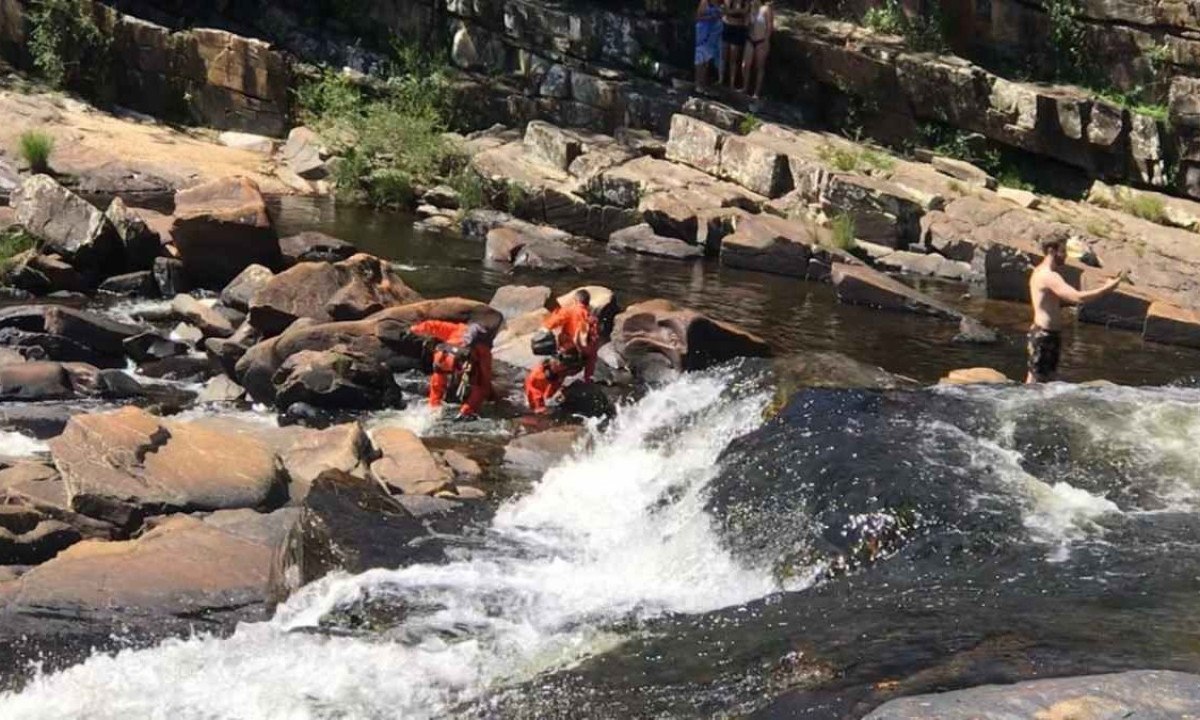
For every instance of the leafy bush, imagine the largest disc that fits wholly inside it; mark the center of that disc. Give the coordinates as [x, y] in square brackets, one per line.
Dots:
[925, 32]
[69, 49]
[35, 147]
[391, 138]
[13, 242]
[887, 18]
[749, 124]
[843, 236]
[848, 159]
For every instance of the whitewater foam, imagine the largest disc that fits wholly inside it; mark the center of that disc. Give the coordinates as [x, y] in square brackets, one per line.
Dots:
[14, 444]
[612, 535]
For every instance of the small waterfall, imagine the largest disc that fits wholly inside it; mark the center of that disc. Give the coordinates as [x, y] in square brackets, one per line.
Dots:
[614, 535]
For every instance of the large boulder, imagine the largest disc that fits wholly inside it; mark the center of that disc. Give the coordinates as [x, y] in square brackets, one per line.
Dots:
[406, 466]
[66, 224]
[1135, 694]
[336, 379]
[381, 337]
[516, 300]
[312, 246]
[40, 487]
[858, 285]
[347, 290]
[184, 565]
[656, 336]
[226, 352]
[220, 227]
[124, 465]
[772, 244]
[28, 537]
[348, 523]
[1166, 323]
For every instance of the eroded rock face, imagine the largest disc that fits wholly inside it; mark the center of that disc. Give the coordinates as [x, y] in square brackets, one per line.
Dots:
[66, 224]
[347, 290]
[348, 523]
[221, 227]
[657, 336]
[124, 465]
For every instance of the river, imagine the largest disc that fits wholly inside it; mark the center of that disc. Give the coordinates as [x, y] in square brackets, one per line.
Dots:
[698, 560]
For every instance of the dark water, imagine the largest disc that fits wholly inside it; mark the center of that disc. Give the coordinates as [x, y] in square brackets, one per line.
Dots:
[791, 314]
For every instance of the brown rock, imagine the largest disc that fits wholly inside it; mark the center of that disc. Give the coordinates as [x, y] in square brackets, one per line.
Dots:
[307, 452]
[1125, 308]
[642, 239]
[516, 300]
[975, 376]
[242, 289]
[537, 452]
[312, 246]
[406, 466]
[126, 464]
[35, 381]
[41, 487]
[964, 171]
[771, 244]
[858, 285]
[1166, 323]
[657, 336]
[220, 227]
[347, 290]
[199, 315]
[462, 466]
[139, 244]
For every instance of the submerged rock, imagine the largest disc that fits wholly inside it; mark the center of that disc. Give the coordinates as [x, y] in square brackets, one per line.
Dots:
[537, 452]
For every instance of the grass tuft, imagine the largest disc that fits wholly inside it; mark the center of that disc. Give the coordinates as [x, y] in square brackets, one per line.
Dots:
[35, 147]
[843, 229]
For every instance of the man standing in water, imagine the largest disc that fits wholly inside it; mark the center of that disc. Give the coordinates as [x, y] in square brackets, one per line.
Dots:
[1047, 291]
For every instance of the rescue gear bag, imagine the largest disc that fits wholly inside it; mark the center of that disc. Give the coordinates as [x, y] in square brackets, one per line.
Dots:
[543, 343]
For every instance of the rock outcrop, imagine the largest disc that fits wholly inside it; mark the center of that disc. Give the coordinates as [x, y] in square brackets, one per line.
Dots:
[657, 336]
[221, 227]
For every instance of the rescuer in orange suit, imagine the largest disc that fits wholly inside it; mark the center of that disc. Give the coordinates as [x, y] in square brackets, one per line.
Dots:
[543, 383]
[577, 339]
[464, 353]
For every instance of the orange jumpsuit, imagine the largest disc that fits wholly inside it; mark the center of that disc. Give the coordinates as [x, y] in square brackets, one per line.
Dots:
[480, 380]
[577, 334]
[543, 383]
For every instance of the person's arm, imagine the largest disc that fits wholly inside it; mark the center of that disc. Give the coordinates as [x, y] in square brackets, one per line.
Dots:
[700, 8]
[439, 329]
[770, 21]
[1063, 290]
[556, 320]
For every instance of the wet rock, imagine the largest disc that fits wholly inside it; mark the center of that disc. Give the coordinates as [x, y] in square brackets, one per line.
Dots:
[1172, 325]
[771, 244]
[406, 466]
[516, 300]
[336, 379]
[512, 345]
[506, 238]
[186, 333]
[929, 264]
[124, 465]
[1140, 693]
[551, 256]
[139, 244]
[242, 289]
[64, 333]
[973, 332]
[586, 399]
[538, 452]
[151, 346]
[314, 246]
[170, 277]
[182, 368]
[136, 284]
[476, 224]
[858, 285]
[202, 316]
[462, 467]
[1126, 307]
[226, 352]
[35, 381]
[183, 565]
[40, 487]
[221, 390]
[348, 523]
[307, 452]
[219, 228]
[642, 239]
[657, 336]
[831, 370]
[66, 224]
[975, 376]
[27, 537]
[347, 290]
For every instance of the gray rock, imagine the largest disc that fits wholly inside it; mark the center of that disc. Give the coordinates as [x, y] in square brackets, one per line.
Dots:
[516, 300]
[312, 246]
[170, 277]
[241, 290]
[152, 346]
[642, 239]
[551, 255]
[140, 284]
[65, 223]
[204, 317]
[302, 154]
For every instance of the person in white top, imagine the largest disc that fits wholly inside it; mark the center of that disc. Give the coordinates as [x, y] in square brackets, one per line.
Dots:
[758, 47]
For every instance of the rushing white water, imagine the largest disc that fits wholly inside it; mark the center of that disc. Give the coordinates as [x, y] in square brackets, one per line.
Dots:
[16, 445]
[615, 534]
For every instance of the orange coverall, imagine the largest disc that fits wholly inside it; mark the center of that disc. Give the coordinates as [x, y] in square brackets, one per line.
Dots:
[480, 380]
[577, 333]
[543, 383]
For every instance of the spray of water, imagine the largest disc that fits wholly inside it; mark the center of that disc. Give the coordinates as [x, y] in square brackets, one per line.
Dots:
[609, 537]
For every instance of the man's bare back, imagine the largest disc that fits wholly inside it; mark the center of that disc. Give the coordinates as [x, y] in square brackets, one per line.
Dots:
[1047, 293]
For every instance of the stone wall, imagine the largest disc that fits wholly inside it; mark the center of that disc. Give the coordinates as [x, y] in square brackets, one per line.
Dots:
[208, 77]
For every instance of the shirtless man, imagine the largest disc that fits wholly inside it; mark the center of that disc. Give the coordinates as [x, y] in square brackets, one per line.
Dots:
[1047, 291]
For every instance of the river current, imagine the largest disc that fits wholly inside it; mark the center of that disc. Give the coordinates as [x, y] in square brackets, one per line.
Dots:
[695, 558]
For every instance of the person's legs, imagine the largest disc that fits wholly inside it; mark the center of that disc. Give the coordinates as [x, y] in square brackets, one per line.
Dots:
[735, 65]
[760, 61]
[747, 66]
[438, 383]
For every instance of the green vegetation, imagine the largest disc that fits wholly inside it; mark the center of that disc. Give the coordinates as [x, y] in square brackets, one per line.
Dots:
[1010, 176]
[1001, 163]
[925, 32]
[35, 147]
[843, 236]
[749, 124]
[69, 49]
[390, 137]
[1144, 206]
[13, 242]
[848, 159]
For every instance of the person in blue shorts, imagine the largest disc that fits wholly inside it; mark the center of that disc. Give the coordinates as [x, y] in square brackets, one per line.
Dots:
[708, 39]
